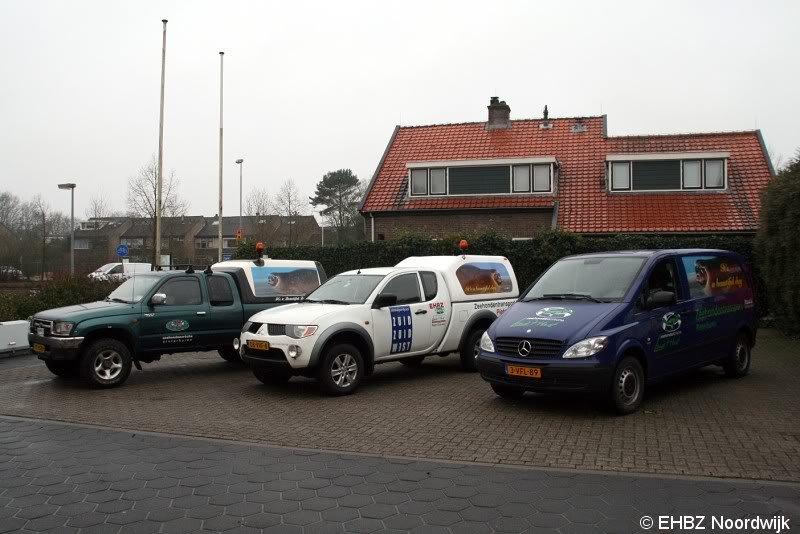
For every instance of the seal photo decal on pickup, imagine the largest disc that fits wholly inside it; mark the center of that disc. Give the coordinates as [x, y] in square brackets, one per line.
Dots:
[480, 278]
[554, 313]
[402, 329]
[177, 325]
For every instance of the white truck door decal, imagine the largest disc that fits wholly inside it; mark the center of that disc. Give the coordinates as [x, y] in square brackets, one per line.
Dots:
[402, 329]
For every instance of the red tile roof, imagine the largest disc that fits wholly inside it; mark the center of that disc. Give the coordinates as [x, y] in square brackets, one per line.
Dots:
[584, 204]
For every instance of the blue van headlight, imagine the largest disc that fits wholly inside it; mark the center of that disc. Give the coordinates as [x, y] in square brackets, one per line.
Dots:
[486, 343]
[587, 347]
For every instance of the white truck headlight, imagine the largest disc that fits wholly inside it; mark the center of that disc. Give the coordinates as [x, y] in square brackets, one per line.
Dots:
[298, 331]
[61, 328]
[486, 343]
[587, 347]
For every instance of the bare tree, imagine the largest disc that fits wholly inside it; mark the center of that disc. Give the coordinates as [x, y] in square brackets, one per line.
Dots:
[290, 205]
[258, 202]
[99, 208]
[142, 196]
[10, 210]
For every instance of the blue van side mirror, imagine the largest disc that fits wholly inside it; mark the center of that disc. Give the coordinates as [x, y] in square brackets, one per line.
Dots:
[660, 299]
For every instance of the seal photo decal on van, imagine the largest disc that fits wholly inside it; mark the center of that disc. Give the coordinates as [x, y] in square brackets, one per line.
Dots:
[554, 313]
[671, 322]
[177, 325]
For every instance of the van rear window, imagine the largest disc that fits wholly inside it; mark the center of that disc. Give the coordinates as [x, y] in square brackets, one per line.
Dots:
[710, 275]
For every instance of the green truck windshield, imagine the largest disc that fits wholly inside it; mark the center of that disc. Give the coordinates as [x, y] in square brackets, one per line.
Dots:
[134, 289]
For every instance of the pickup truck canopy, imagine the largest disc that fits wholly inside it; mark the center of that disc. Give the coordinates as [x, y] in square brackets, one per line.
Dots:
[273, 280]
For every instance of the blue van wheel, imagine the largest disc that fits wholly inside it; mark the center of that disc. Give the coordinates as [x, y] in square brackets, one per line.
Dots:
[627, 388]
[737, 364]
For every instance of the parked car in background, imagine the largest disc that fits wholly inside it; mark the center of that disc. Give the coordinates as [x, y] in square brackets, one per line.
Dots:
[615, 322]
[119, 271]
[165, 312]
[8, 272]
[423, 306]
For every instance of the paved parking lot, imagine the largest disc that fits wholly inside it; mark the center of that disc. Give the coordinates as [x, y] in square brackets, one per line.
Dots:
[68, 478]
[701, 424]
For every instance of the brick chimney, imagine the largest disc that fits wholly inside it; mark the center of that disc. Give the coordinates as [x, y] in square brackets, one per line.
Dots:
[499, 114]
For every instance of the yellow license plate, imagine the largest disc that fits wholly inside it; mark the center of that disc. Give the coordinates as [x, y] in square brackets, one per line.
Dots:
[38, 347]
[521, 370]
[257, 345]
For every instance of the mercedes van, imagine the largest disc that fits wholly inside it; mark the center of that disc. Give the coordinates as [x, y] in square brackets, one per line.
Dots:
[615, 322]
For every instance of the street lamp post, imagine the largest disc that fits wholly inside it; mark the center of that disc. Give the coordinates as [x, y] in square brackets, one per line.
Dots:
[159, 177]
[71, 188]
[219, 213]
[240, 161]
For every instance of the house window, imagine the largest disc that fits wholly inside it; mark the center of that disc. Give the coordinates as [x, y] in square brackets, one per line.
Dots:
[620, 176]
[438, 181]
[511, 177]
[541, 178]
[692, 174]
[81, 244]
[204, 242]
[667, 174]
[419, 182]
[229, 243]
[715, 174]
[522, 178]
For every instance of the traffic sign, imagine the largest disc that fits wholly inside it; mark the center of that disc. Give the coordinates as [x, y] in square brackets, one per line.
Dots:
[227, 257]
[122, 250]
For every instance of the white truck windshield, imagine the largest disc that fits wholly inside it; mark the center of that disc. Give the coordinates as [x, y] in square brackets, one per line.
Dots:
[346, 289]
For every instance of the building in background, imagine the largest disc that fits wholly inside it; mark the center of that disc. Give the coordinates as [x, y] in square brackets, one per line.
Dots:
[517, 176]
[188, 240]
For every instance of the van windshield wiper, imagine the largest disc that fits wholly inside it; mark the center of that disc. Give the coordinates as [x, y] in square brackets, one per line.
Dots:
[571, 296]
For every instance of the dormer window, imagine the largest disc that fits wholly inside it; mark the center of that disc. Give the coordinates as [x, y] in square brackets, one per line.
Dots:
[690, 171]
[482, 177]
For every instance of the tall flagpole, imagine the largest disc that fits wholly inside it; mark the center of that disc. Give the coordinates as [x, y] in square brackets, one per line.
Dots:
[157, 244]
[219, 213]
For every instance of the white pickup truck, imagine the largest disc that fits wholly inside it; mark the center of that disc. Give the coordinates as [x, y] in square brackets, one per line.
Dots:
[423, 306]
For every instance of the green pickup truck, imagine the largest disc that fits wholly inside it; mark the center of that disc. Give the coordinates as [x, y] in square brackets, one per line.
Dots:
[159, 313]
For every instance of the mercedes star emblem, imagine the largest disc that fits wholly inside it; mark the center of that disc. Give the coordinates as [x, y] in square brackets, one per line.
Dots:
[524, 347]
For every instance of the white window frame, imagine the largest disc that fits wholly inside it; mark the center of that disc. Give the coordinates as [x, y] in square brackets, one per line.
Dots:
[683, 156]
[510, 162]
[611, 176]
[411, 183]
[430, 181]
[702, 164]
[549, 179]
[530, 179]
[82, 241]
[724, 175]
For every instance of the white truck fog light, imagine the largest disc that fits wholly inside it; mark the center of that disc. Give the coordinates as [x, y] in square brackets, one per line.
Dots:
[236, 343]
[295, 351]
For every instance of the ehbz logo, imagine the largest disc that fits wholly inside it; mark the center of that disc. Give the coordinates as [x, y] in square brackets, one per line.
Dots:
[671, 322]
[556, 312]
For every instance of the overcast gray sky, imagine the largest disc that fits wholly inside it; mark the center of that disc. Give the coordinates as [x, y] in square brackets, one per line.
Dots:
[317, 86]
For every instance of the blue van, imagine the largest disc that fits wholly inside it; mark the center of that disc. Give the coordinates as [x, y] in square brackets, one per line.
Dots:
[614, 322]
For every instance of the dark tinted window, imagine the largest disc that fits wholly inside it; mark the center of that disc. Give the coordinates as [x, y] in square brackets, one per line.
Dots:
[182, 292]
[429, 284]
[219, 291]
[406, 287]
[116, 270]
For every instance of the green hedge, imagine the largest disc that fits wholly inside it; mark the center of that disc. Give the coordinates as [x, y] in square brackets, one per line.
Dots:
[777, 244]
[55, 294]
[529, 258]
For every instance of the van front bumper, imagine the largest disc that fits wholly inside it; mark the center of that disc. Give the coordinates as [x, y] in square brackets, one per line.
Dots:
[56, 348]
[557, 375]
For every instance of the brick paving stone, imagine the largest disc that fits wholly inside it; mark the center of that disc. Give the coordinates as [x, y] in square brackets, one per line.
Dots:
[691, 426]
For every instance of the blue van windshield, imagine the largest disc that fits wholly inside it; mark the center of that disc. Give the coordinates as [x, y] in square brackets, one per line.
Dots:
[593, 278]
